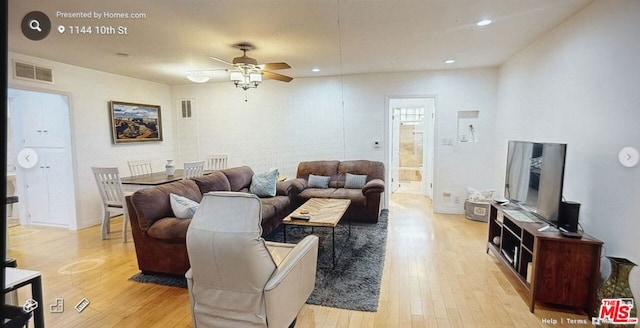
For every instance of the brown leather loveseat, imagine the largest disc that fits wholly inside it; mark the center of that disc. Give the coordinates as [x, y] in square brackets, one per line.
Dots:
[365, 201]
[160, 237]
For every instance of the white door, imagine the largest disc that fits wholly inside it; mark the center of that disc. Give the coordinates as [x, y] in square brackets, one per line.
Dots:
[54, 163]
[395, 149]
[423, 120]
[43, 125]
[40, 121]
[35, 198]
[429, 146]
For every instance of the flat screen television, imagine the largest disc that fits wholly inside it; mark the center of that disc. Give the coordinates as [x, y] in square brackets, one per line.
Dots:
[534, 178]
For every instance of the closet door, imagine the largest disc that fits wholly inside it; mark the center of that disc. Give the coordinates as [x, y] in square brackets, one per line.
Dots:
[60, 191]
[40, 122]
[48, 189]
[47, 120]
[36, 186]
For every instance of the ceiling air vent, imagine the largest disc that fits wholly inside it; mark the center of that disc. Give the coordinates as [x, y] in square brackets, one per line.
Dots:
[33, 72]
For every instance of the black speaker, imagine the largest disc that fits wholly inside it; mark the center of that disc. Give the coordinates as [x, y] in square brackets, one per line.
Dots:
[568, 216]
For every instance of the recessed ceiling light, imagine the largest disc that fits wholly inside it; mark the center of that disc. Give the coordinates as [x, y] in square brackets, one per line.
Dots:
[449, 61]
[484, 22]
[315, 70]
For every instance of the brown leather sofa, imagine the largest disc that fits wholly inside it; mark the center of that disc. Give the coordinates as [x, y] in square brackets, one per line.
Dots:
[365, 202]
[160, 237]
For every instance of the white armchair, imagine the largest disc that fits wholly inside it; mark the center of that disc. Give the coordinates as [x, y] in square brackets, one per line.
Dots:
[237, 279]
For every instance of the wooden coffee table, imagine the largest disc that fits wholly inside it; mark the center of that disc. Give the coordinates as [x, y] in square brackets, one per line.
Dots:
[322, 212]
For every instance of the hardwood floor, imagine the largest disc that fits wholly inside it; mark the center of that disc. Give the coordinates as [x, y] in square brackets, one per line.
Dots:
[437, 274]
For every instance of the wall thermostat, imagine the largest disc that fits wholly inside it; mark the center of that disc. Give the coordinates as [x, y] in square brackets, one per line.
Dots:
[628, 157]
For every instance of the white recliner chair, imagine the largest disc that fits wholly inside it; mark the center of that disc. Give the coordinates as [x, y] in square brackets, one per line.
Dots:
[237, 279]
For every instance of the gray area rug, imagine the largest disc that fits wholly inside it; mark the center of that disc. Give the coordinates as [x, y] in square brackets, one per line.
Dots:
[160, 279]
[353, 284]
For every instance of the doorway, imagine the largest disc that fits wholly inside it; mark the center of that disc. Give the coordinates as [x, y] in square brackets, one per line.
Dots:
[411, 145]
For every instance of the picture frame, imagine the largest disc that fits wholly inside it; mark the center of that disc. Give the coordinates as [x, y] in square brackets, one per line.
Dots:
[132, 122]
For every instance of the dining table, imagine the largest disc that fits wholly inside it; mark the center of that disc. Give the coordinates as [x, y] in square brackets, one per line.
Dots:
[137, 182]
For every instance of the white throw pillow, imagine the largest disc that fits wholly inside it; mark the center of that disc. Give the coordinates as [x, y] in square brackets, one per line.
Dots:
[353, 181]
[183, 207]
[264, 184]
[318, 181]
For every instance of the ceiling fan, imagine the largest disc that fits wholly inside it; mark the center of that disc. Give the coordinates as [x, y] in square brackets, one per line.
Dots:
[245, 72]
[247, 65]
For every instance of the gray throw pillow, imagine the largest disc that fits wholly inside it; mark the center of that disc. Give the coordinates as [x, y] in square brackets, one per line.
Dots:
[264, 184]
[354, 181]
[318, 181]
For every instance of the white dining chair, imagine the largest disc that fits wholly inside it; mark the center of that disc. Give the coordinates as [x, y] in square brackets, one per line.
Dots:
[139, 167]
[110, 187]
[193, 169]
[217, 162]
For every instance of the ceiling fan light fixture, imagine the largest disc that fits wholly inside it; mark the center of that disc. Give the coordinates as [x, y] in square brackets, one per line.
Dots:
[255, 77]
[246, 77]
[246, 73]
[236, 76]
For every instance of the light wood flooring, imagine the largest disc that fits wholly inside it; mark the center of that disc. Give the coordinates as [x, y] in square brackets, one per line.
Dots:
[436, 274]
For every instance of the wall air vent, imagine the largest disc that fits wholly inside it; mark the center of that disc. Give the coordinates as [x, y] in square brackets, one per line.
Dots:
[186, 107]
[32, 72]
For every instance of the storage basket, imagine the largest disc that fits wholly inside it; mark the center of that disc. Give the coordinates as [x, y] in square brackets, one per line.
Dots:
[477, 211]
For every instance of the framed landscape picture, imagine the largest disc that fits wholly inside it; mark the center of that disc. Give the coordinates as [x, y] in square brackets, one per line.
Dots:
[132, 122]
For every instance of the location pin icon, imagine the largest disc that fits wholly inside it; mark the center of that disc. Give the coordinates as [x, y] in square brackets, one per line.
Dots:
[61, 29]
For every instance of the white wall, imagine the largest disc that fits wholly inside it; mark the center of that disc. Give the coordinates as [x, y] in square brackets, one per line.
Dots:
[279, 126]
[274, 127]
[90, 92]
[283, 124]
[579, 85]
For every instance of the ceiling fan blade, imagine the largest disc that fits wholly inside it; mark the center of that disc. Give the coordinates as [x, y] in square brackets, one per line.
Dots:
[274, 66]
[221, 60]
[276, 76]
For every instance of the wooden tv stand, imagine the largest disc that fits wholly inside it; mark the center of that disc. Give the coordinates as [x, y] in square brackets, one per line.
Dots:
[553, 269]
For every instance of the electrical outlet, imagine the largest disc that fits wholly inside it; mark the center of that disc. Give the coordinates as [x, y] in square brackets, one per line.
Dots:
[456, 200]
